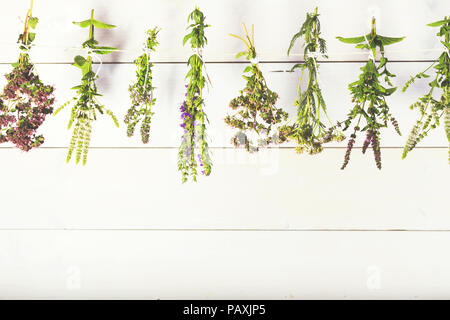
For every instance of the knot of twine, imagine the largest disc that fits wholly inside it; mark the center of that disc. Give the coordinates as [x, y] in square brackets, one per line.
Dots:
[24, 48]
[88, 51]
[199, 53]
[370, 55]
[314, 55]
[254, 61]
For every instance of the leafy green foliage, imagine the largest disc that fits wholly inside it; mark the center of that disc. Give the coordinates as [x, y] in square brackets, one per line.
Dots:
[85, 104]
[369, 95]
[309, 131]
[255, 106]
[431, 109]
[194, 150]
[141, 92]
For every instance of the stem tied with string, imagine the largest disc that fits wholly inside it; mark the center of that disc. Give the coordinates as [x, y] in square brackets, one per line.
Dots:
[369, 95]
[194, 150]
[432, 109]
[26, 100]
[255, 108]
[309, 131]
[85, 103]
[142, 91]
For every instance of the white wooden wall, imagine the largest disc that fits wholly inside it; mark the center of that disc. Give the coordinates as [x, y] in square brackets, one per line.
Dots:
[271, 225]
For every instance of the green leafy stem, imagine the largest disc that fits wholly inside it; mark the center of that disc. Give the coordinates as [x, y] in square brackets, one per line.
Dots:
[369, 95]
[433, 109]
[309, 131]
[85, 103]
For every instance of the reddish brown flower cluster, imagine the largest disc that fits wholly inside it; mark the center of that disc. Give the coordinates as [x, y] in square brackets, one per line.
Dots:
[24, 104]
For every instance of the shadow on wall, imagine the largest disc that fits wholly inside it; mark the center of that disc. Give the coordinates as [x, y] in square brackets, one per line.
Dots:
[112, 38]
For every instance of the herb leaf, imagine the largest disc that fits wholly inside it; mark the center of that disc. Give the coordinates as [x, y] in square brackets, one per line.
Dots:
[370, 110]
[432, 109]
[142, 91]
[85, 104]
[194, 149]
[255, 110]
[309, 131]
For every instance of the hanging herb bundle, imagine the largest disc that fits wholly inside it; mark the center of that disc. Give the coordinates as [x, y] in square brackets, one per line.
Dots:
[369, 95]
[25, 101]
[141, 92]
[194, 149]
[255, 106]
[85, 103]
[309, 131]
[431, 109]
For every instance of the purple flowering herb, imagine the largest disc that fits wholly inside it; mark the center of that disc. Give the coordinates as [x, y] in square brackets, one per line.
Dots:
[193, 116]
[26, 100]
[256, 101]
[369, 94]
[142, 91]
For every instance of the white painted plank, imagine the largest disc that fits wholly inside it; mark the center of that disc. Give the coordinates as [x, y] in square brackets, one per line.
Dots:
[276, 189]
[227, 81]
[224, 265]
[275, 23]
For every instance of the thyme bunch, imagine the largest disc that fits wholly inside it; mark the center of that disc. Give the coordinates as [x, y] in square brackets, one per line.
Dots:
[194, 149]
[431, 109]
[85, 103]
[369, 95]
[309, 131]
[141, 92]
[255, 106]
[26, 100]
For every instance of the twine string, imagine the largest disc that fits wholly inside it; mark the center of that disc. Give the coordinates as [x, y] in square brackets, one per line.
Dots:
[94, 55]
[314, 55]
[371, 54]
[199, 53]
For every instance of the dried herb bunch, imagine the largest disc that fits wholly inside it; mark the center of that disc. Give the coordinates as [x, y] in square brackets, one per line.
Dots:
[25, 101]
[194, 149]
[141, 92]
[255, 108]
[85, 103]
[309, 131]
[431, 109]
[369, 95]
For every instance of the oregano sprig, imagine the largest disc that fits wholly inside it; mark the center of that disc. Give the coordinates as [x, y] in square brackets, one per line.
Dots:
[26, 100]
[85, 104]
[371, 111]
[194, 150]
[432, 109]
[256, 111]
[309, 131]
[142, 91]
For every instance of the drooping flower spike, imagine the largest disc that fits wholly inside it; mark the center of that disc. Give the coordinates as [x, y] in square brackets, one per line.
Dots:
[142, 91]
[194, 150]
[432, 109]
[85, 104]
[369, 95]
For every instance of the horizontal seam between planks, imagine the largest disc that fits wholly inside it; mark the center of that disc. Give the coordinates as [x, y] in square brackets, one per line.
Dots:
[232, 62]
[216, 148]
[225, 230]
